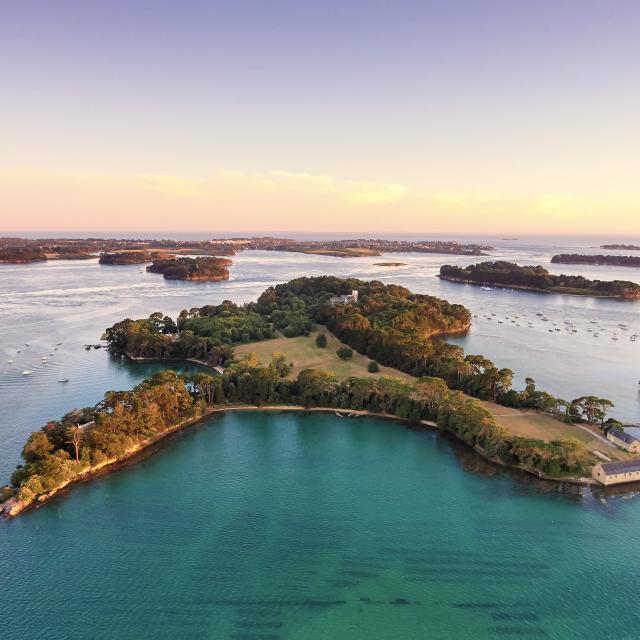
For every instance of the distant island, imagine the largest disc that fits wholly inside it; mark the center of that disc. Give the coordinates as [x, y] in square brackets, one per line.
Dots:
[194, 269]
[537, 278]
[25, 250]
[12, 252]
[601, 260]
[128, 257]
[389, 264]
[625, 247]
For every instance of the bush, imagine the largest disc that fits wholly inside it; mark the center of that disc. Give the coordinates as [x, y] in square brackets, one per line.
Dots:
[345, 353]
[321, 340]
[373, 367]
[6, 493]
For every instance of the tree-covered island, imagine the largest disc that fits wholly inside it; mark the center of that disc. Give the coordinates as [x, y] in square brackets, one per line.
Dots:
[441, 387]
[129, 257]
[537, 278]
[598, 260]
[194, 269]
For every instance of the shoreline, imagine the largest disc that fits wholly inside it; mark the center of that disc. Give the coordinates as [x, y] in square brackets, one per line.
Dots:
[12, 507]
[533, 289]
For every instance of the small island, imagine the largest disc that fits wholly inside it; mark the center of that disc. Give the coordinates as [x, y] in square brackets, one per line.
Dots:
[536, 278]
[598, 260]
[128, 257]
[192, 269]
[389, 264]
[623, 247]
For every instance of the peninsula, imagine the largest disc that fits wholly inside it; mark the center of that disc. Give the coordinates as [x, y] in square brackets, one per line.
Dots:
[537, 278]
[600, 260]
[193, 269]
[427, 382]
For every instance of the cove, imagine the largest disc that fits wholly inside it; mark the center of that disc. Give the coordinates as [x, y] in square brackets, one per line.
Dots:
[261, 525]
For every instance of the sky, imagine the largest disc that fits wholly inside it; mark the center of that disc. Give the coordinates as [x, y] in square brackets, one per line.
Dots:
[400, 116]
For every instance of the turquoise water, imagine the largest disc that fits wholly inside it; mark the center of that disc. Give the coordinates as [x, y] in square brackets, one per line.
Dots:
[264, 526]
[260, 527]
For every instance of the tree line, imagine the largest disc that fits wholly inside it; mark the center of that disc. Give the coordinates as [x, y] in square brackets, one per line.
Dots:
[84, 439]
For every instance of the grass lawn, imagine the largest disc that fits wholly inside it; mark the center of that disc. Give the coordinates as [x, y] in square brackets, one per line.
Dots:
[538, 425]
[304, 354]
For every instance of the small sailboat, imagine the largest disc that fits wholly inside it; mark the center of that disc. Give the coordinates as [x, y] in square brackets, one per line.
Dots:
[26, 372]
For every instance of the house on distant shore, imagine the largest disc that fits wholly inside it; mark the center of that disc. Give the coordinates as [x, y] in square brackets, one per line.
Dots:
[347, 298]
[617, 472]
[623, 440]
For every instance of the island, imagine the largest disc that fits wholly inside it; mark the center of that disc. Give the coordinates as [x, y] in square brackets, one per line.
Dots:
[599, 260]
[16, 254]
[536, 278]
[623, 247]
[389, 264]
[425, 381]
[192, 269]
[130, 257]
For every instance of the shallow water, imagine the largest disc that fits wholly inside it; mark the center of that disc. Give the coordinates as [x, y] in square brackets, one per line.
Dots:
[259, 525]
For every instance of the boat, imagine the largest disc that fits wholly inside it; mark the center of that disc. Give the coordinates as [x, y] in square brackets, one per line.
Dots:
[338, 414]
[18, 350]
[26, 372]
[485, 288]
[10, 361]
[63, 379]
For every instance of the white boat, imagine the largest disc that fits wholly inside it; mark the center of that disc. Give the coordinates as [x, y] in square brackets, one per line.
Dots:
[18, 350]
[63, 379]
[485, 288]
[338, 414]
[10, 361]
[26, 372]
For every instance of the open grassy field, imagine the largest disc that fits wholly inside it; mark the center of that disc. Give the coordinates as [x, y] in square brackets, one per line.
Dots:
[304, 354]
[538, 425]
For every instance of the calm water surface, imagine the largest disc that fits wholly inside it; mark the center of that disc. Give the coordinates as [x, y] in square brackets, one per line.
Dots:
[259, 526]
[285, 526]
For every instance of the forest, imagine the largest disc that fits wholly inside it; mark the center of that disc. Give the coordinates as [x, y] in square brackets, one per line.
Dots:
[86, 439]
[388, 324]
[611, 260]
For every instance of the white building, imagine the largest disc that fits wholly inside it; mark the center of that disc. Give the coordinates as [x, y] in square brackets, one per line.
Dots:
[347, 298]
